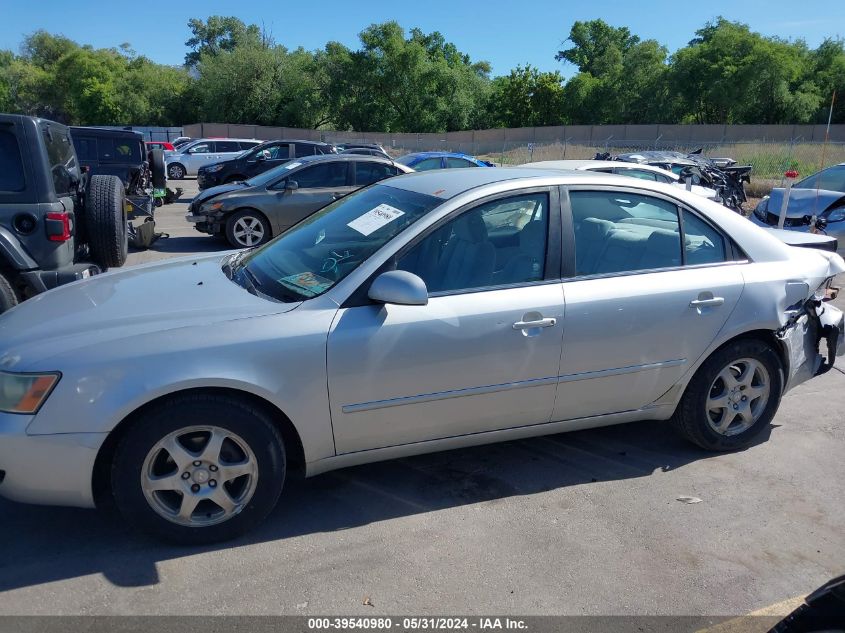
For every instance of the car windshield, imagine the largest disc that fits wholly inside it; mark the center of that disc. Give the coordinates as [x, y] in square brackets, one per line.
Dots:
[832, 179]
[406, 160]
[270, 175]
[317, 253]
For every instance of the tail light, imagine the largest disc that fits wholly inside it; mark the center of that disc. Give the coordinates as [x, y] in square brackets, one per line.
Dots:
[58, 227]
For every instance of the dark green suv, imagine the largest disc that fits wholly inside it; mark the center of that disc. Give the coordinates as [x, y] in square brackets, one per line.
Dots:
[57, 223]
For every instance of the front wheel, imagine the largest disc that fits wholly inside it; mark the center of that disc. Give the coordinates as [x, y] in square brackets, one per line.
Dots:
[176, 171]
[246, 229]
[733, 396]
[199, 468]
[8, 298]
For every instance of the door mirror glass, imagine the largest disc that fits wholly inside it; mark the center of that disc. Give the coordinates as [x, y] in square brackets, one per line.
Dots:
[399, 287]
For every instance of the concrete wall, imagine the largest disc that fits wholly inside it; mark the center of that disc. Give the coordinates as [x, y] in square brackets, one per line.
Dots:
[497, 139]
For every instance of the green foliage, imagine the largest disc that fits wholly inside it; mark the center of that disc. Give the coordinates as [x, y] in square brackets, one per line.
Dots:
[412, 81]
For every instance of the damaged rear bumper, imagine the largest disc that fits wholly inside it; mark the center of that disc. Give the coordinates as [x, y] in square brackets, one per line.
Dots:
[820, 327]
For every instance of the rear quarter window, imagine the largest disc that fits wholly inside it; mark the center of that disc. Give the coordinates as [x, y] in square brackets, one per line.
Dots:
[11, 163]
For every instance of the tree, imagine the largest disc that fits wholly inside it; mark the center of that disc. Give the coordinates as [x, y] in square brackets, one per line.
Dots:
[220, 34]
[528, 97]
[597, 47]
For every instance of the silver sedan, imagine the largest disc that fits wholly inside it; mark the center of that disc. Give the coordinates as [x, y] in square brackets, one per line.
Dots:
[428, 312]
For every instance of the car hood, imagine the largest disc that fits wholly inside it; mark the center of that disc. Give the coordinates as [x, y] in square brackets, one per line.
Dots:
[213, 192]
[805, 201]
[115, 306]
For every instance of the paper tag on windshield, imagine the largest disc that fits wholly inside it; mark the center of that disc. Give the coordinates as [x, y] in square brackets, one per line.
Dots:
[292, 165]
[375, 219]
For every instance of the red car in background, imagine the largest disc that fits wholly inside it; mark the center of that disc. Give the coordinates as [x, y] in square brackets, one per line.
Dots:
[167, 147]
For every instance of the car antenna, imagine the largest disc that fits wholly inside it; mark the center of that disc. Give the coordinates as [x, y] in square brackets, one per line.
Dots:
[824, 149]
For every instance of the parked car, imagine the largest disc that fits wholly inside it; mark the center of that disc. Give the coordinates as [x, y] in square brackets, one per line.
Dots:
[355, 145]
[162, 145]
[123, 153]
[251, 212]
[258, 160]
[821, 195]
[366, 151]
[634, 170]
[423, 161]
[188, 158]
[57, 224]
[419, 314]
[180, 141]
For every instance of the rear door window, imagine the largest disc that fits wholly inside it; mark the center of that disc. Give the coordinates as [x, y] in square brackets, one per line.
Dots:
[452, 163]
[11, 162]
[227, 147]
[428, 163]
[118, 150]
[86, 148]
[366, 173]
[304, 149]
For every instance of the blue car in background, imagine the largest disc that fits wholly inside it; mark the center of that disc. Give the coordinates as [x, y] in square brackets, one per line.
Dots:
[821, 195]
[423, 161]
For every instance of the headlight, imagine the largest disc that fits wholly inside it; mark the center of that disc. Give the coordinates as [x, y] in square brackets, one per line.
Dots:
[761, 208]
[25, 393]
[213, 168]
[837, 215]
[211, 207]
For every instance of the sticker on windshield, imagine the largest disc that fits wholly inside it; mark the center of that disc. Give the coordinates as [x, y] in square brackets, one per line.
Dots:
[308, 282]
[375, 219]
[292, 165]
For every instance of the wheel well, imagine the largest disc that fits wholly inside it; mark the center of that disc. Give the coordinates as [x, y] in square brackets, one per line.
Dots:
[766, 336]
[101, 478]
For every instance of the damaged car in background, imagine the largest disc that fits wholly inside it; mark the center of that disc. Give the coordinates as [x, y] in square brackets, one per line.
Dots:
[422, 313]
[721, 174]
[815, 204]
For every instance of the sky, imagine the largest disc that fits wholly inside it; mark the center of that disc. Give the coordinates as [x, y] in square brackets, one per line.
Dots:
[503, 32]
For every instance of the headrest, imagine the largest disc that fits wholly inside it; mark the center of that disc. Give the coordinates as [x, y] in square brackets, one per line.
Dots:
[471, 228]
[532, 237]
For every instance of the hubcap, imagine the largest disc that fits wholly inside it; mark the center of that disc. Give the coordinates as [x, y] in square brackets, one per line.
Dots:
[199, 476]
[176, 171]
[248, 231]
[738, 396]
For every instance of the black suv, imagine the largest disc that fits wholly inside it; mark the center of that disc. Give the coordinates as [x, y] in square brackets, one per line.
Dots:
[258, 160]
[123, 153]
[57, 223]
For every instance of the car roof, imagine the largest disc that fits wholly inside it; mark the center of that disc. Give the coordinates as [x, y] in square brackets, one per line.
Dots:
[105, 132]
[438, 154]
[317, 158]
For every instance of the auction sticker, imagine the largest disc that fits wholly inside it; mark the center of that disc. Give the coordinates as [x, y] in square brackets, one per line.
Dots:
[375, 219]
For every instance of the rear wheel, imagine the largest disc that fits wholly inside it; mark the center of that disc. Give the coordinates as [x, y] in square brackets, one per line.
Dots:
[732, 397]
[176, 171]
[199, 469]
[247, 228]
[105, 221]
[8, 298]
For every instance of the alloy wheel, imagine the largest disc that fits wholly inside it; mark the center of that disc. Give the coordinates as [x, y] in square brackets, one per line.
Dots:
[248, 231]
[738, 396]
[199, 476]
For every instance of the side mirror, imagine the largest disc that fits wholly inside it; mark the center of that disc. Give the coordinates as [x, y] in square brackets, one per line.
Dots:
[399, 287]
[291, 185]
[263, 155]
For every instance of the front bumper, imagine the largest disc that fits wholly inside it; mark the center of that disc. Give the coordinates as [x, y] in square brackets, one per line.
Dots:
[46, 469]
[206, 180]
[204, 223]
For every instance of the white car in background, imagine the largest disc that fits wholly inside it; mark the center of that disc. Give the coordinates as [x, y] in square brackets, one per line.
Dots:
[634, 170]
[187, 159]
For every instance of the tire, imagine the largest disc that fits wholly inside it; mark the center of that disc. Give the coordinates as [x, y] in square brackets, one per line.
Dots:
[158, 169]
[105, 221]
[733, 396]
[8, 298]
[176, 171]
[247, 228]
[252, 445]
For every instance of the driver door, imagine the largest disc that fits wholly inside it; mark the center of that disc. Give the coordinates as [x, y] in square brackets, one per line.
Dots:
[482, 355]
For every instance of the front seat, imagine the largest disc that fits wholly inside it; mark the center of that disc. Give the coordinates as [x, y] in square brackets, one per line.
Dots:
[527, 264]
[468, 258]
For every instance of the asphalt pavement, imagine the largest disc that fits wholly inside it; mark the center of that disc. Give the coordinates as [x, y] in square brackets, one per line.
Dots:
[580, 523]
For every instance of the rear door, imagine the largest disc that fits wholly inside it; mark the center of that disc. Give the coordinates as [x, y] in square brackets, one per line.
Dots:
[224, 150]
[368, 172]
[640, 308]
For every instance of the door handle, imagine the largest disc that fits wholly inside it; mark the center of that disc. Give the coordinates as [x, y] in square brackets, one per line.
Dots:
[526, 325]
[706, 303]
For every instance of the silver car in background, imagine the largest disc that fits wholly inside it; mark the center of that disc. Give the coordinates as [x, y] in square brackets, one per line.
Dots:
[186, 159]
[427, 312]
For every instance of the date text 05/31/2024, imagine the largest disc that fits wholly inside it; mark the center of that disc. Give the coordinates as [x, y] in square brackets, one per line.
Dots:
[416, 623]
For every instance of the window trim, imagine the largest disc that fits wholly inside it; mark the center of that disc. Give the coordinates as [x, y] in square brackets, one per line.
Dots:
[733, 254]
[552, 268]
